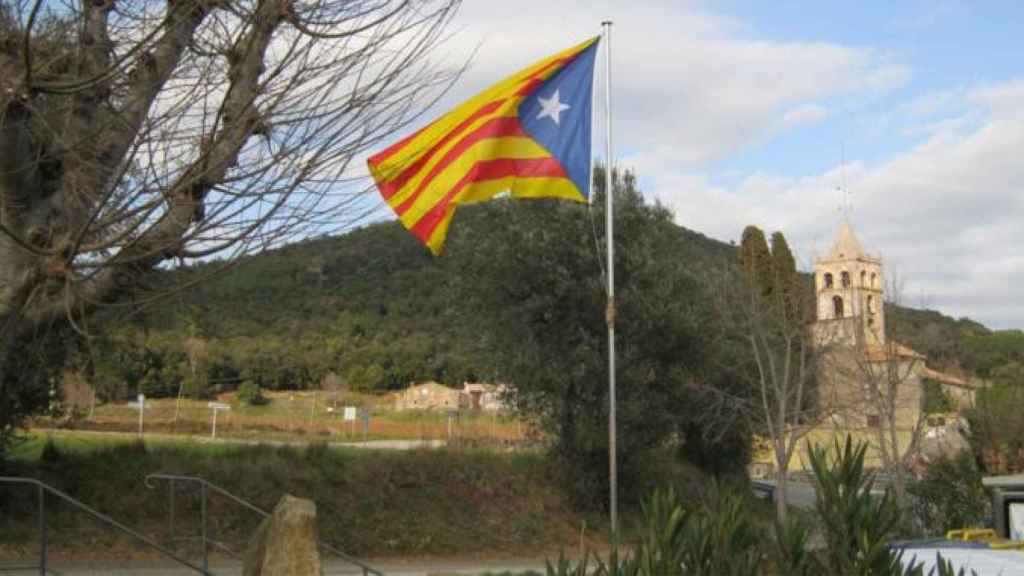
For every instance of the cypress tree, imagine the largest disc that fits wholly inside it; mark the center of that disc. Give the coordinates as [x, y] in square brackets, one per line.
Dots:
[756, 260]
[784, 277]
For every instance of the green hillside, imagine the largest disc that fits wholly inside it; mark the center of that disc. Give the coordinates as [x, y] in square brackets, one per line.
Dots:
[376, 309]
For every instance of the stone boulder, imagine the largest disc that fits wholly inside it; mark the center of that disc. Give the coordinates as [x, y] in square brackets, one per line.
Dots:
[285, 544]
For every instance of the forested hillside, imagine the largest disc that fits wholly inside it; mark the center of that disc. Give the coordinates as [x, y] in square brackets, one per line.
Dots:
[377, 311]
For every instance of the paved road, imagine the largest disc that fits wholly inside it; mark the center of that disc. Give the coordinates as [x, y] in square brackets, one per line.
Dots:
[390, 568]
[800, 494]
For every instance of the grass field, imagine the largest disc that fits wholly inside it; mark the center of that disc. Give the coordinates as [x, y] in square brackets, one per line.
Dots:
[370, 503]
[466, 502]
[300, 414]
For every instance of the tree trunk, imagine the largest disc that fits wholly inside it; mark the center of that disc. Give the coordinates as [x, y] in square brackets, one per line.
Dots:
[899, 483]
[898, 464]
[781, 493]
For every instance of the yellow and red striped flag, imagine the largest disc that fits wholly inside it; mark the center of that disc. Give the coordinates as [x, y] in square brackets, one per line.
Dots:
[528, 135]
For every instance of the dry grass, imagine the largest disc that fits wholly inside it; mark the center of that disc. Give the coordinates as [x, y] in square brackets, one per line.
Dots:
[425, 502]
[300, 414]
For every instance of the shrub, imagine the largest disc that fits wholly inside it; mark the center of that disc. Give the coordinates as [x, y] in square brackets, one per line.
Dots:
[997, 430]
[26, 384]
[565, 567]
[856, 525]
[252, 394]
[792, 553]
[950, 495]
[719, 538]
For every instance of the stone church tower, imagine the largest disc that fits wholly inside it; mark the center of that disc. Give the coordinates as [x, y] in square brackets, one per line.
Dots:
[849, 285]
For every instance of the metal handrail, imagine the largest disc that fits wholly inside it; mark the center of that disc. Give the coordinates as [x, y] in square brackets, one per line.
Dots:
[45, 489]
[206, 485]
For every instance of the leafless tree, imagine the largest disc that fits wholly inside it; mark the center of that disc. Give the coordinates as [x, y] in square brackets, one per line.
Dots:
[886, 393]
[770, 358]
[137, 135]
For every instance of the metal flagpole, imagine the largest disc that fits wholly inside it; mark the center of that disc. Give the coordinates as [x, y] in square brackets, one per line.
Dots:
[610, 310]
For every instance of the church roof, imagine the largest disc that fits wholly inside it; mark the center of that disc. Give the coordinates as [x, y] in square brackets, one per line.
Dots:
[846, 246]
[891, 350]
[944, 378]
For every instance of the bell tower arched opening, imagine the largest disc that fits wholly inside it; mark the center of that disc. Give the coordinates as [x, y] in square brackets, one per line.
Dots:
[837, 307]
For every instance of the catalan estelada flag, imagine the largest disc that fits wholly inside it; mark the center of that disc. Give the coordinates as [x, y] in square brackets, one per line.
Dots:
[528, 135]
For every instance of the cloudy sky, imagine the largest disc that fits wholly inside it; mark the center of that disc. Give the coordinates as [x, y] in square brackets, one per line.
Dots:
[736, 113]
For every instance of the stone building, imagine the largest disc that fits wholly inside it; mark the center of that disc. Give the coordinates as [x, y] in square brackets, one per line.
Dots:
[867, 381]
[435, 396]
[485, 397]
[850, 293]
[859, 366]
[427, 396]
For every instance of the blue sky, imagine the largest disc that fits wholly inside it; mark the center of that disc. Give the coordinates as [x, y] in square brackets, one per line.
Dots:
[736, 113]
[944, 45]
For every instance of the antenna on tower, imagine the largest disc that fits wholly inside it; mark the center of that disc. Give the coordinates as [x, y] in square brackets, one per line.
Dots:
[846, 206]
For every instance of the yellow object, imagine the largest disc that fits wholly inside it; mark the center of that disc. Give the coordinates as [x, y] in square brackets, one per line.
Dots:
[984, 535]
[971, 534]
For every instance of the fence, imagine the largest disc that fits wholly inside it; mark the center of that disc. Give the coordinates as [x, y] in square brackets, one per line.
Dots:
[205, 489]
[304, 415]
[42, 490]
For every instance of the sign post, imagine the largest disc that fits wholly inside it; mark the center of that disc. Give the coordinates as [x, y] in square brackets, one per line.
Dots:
[349, 415]
[139, 405]
[364, 415]
[216, 407]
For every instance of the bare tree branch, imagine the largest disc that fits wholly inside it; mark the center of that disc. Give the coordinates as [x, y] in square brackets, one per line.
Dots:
[134, 134]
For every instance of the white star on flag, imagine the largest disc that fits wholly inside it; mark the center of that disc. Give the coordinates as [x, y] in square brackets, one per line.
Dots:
[551, 107]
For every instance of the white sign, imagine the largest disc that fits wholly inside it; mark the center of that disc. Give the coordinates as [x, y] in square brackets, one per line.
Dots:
[142, 398]
[350, 413]
[218, 406]
[1016, 520]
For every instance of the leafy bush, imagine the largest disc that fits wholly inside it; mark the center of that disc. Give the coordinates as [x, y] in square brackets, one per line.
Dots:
[949, 496]
[565, 567]
[856, 525]
[533, 291]
[719, 537]
[661, 550]
[792, 553]
[997, 430]
[252, 394]
[936, 400]
[26, 384]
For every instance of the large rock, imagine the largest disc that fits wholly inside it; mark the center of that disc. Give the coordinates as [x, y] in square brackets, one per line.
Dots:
[285, 544]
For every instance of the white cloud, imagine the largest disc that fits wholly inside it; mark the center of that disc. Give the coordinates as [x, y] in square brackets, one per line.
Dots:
[692, 89]
[804, 114]
[944, 214]
[687, 85]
